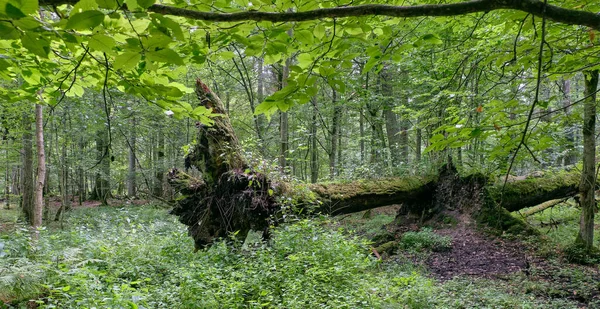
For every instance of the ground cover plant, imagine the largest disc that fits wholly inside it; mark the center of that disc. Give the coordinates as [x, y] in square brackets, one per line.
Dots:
[139, 257]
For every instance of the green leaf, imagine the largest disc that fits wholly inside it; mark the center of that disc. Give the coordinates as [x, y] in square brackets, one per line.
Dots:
[166, 55]
[226, 55]
[107, 4]
[84, 5]
[85, 20]
[476, 132]
[21, 7]
[127, 60]
[101, 42]
[35, 44]
[432, 39]
[304, 37]
[28, 23]
[8, 32]
[13, 12]
[319, 31]
[145, 3]
[164, 23]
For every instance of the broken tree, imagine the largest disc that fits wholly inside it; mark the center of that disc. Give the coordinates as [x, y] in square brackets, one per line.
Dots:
[231, 197]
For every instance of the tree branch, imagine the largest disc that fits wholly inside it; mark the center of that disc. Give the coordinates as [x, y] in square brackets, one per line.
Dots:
[535, 7]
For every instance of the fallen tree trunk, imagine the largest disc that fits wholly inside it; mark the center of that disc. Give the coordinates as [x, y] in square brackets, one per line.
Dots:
[231, 197]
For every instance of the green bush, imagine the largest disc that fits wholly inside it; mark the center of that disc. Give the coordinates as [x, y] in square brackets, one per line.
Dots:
[425, 239]
[142, 258]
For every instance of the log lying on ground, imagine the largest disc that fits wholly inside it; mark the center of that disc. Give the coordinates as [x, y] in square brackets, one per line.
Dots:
[231, 197]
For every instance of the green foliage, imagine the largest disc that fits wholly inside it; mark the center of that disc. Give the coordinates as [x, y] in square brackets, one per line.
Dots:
[140, 257]
[425, 239]
[558, 227]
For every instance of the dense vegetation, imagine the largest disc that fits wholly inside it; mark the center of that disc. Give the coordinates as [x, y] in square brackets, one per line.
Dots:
[137, 257]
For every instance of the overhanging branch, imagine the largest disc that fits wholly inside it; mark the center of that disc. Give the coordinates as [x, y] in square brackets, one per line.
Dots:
[535, 7]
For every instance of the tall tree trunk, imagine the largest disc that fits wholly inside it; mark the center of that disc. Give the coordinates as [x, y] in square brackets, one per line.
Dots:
[27, 175]
[15, 186]
[418, 145]
[81, 181]
[361, 124]
[159, 164]
[101, 191]
[7, 175]
[570, 157]
[392, 124]
[41, 169]
[259, 120]
[64, 176]
[131, 175]
[314, 163]
[335, 134]
[284, 121]
[585, 237]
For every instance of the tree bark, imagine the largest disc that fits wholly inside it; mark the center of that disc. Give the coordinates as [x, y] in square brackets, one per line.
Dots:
[570, 156]
[284, 121]
[131, 174]
[314, 158]
[41, 169]
[392, 124]
[7, 173]
[27, 172]
[159, 164]
[535, 7]
[585, 237]
[101, 191]
[334, 134]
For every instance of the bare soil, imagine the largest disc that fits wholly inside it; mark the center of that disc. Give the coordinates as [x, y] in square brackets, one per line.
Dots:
[476, 254]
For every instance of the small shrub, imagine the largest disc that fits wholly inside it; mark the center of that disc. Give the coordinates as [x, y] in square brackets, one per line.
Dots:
[576, 253]
[425, 239]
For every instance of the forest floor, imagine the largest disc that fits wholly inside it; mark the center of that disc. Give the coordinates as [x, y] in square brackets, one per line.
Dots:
[535, 265]
[136, 256]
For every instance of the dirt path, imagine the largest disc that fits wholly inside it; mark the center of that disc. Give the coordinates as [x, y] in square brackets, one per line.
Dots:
[476, 254]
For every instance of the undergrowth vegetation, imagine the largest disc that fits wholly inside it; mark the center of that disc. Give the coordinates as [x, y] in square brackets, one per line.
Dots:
[140, 257]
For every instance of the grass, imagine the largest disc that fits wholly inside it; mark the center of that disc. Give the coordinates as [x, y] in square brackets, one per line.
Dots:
[559, 226]
[140, 257]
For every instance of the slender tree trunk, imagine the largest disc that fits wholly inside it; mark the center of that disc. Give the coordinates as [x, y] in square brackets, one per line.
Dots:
[585, 237]
[259, 120]
[41, 169]
[392, 124]
[284, 122]
[335, 134]
[361, 123]
[15, 186]
[7, 176]
[418, 145]
[27, 176]
[101, 191]
[131, 175]
[64, 175]
[160, 172]
[571, 154]
[314, 163]
[81, 181]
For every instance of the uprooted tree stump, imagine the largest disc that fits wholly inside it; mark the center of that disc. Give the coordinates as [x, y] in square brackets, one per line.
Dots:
[232, 198]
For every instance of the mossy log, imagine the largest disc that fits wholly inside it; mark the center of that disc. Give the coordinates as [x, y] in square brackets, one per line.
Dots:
[349, 197]
[230, 197]
[534, 191]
